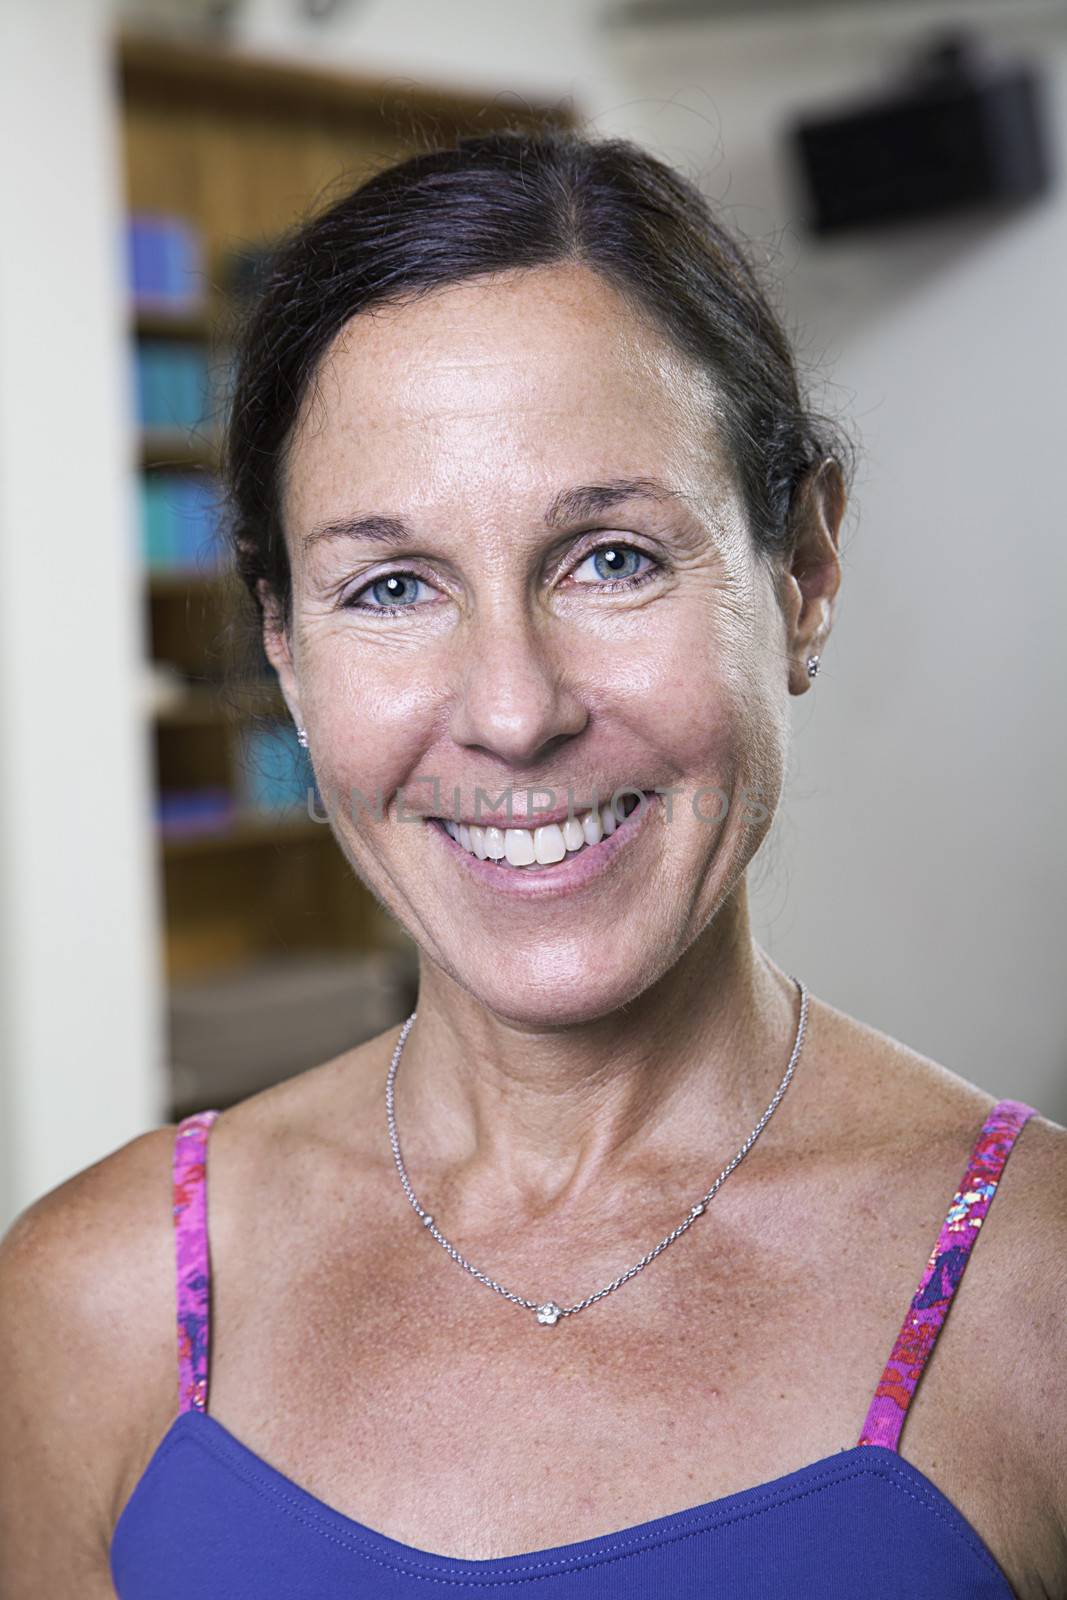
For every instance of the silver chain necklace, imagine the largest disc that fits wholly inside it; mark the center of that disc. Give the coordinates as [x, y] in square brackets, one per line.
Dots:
[548, 1313]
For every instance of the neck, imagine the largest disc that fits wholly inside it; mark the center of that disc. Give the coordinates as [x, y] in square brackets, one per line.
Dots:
[524, 1122]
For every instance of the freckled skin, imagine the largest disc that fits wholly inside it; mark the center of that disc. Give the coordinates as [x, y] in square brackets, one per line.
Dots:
[464, 414]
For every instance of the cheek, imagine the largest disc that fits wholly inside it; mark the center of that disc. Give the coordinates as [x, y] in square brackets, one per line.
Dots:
[716, 714]
[371, 725]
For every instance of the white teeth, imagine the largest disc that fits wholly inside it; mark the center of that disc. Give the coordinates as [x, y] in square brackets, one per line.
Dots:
[573, 834]
[548, 844]
[494, 844]
[519, 846]
[543, 846]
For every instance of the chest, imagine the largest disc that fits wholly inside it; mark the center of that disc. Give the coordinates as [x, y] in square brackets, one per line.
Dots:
[436, 1411]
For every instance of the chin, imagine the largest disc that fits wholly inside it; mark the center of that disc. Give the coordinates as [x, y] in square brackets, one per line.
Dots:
[558, 987]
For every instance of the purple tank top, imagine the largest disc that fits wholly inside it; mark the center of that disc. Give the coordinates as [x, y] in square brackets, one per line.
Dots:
[211, 1520]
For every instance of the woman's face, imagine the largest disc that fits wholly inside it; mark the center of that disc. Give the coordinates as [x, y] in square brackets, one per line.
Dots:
[520, 563]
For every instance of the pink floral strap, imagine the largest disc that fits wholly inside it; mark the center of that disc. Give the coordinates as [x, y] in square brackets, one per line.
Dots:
[191, 1248]
[943, 1272]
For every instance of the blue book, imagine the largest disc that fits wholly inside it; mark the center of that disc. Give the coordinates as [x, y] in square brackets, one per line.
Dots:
[202, 512]
[181, 532]
[183, 269]
[205, 810]
[164, 257]
[170, 497]
[189, 521]
[155, 384]
[154, 269]
[173, 364]
[136, 383]
[155, 529]
[220, 382]
[213, 544]
[181, 523]
[195, 404]
[216, 548]
[172, 385]
[140, 364]
[134, 255]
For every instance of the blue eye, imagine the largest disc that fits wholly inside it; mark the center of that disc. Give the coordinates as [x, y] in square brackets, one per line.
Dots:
[615, 565]
[396, 591]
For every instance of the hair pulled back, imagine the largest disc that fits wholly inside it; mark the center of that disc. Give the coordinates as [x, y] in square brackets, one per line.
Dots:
[493, 202]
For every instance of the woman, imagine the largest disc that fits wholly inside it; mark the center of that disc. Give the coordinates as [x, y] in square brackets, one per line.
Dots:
[543, 540]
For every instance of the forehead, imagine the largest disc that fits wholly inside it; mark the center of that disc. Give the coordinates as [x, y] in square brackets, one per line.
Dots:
[497, 387]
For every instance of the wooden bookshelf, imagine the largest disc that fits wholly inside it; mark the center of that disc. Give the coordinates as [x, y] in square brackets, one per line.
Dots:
[171, 325]
[248, 833]
[241, 148]
[171, 448]
[244, 146]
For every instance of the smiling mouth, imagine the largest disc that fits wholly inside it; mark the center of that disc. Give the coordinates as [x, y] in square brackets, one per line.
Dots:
[530, 850]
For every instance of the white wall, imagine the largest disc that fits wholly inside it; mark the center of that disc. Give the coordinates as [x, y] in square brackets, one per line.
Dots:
[80, 1052]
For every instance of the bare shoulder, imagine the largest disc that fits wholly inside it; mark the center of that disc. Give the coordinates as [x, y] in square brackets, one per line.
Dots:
[259, 1144]
[87, 1349]
[923, 1112]
[904, 1098]
[914, 1106]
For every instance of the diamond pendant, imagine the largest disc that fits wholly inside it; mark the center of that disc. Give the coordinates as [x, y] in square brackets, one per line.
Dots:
[548, 1314]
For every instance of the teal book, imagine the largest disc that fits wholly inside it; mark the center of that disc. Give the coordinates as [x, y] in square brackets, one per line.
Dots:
[155, 523]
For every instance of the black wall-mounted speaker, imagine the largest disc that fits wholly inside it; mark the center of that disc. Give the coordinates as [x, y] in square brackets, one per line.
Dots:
[957, 133]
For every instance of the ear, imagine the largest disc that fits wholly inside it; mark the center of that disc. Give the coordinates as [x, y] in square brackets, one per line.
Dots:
[811, 582]
[277, 645]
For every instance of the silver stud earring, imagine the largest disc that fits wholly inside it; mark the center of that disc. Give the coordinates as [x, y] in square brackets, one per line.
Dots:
[813, 666]
[302, 738]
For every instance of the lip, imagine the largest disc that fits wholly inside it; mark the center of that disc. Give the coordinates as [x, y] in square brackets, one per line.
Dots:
[565, 877]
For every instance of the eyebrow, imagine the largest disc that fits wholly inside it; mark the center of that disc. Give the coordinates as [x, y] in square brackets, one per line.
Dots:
[570, 505]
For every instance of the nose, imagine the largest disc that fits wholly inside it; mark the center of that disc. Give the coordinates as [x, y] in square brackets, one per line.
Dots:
[514, 698]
